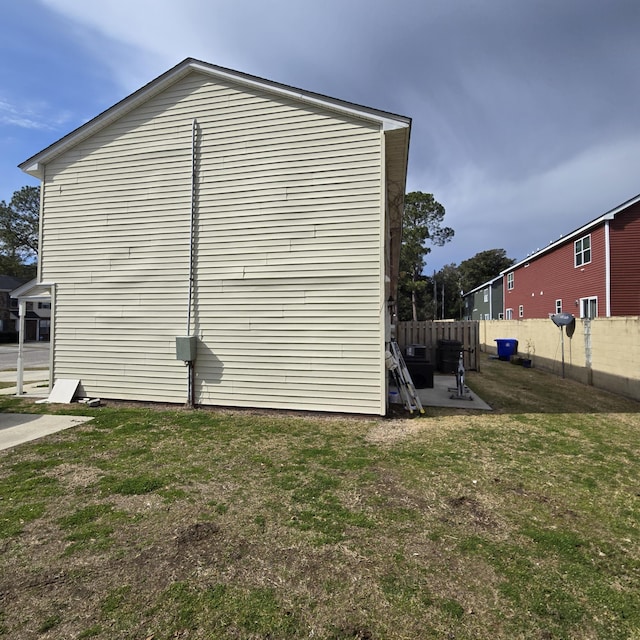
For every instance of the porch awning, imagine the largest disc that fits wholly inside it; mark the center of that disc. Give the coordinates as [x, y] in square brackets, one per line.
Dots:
[33, 290]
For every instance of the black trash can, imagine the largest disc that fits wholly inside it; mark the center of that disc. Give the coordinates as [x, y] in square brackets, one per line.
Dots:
[447, 355]
[419, 366]
[421, 373]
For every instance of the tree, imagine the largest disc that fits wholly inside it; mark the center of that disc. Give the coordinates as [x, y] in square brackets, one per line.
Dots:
[421, 223]
[448, 288]
[484, 266]
[19, 231]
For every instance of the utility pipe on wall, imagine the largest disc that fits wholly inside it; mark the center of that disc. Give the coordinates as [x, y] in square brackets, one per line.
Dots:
[192, 224]
[194, 126]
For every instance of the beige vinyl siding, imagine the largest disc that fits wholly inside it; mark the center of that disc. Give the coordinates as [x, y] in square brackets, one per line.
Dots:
[288, 267]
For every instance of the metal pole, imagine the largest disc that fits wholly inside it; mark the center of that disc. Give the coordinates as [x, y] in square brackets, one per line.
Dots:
[19, 364]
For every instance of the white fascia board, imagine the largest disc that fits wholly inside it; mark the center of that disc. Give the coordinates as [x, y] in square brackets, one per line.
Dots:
[385, 120]
[609, 215]
[33, 290]
[484, 285]
[33, 165]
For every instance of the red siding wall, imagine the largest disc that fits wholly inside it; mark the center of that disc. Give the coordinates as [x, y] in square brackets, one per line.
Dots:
[553, 276]
[625, 262]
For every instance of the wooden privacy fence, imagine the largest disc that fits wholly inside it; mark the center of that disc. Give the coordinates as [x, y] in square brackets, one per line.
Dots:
[428, 333]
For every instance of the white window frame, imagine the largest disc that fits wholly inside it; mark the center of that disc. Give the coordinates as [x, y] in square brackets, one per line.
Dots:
[582, 254]
[521, 311]
[501, 316]
[510, 280]
[587, 305]
[486, 295]
[559, 306]
[509, 314]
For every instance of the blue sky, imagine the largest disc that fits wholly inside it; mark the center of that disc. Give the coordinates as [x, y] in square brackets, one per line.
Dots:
[525, 114]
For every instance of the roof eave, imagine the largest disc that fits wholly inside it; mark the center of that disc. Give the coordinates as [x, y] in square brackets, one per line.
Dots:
[33, 165]
[33, 289]
[609, 215]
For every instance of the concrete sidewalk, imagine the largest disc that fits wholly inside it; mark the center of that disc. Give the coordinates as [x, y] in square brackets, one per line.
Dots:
[17, 428]
[35, 383]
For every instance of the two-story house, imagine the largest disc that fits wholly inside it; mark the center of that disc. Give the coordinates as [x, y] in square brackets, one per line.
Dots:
[594, 271]
[485, 301]
[241, 226]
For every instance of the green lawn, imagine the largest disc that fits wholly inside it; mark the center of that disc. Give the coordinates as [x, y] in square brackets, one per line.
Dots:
[162, 524]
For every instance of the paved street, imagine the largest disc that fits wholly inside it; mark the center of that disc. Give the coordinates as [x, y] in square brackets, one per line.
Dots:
[35, 356]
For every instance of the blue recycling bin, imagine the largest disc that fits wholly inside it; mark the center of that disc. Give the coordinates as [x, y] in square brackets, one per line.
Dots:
[507, 347]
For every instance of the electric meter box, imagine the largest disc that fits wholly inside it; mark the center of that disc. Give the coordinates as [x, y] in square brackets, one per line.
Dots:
[186, 348]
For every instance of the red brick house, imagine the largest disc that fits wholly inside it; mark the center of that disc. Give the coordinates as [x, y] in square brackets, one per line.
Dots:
[592, 272]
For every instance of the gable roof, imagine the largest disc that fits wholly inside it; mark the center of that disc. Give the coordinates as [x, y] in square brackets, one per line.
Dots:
[397, 130]
[388, 121]
[609, 215]
[33, 290]
[484, 285]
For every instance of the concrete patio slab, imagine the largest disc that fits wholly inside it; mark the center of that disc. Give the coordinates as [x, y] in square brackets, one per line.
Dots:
[440, 395]
[443, 390]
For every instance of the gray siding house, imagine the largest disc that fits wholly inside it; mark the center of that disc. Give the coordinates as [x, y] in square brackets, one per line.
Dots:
[260, 219]
[486, 301]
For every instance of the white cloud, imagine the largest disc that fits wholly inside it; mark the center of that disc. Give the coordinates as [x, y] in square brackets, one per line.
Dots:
[39, 116]
[524, 115]
[524, 216]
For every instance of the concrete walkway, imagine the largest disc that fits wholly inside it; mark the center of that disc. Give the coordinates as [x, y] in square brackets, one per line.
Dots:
[35, 383]
[17, 428]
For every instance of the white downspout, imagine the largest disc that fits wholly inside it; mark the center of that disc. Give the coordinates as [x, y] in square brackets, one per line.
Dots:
[491, 301]
[385, 319]
[607, 276]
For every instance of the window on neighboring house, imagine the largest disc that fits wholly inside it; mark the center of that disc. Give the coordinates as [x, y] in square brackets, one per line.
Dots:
[589, 307]
[13, 303]
[487, 316]
[521, 311]
[486, 295]
[582, 251]
[44, 305]
[558, 306]
[510, 281]
[509, 314]
[29, 306]
[501, 316]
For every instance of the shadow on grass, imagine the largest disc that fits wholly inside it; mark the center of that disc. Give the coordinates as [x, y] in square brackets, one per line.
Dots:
[513, 389]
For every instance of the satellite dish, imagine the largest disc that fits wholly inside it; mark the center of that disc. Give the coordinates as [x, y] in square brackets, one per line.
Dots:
[562, 319]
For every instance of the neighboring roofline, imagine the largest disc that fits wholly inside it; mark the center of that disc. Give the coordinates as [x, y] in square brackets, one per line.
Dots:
[6, 286]
[33, 289]
[385, 119]
[488, 283]
[609, 215]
